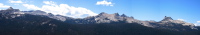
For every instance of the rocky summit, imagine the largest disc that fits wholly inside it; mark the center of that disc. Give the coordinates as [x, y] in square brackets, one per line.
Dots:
[37, 22]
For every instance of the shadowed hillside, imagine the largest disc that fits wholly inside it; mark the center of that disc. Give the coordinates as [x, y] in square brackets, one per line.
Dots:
[41, 25]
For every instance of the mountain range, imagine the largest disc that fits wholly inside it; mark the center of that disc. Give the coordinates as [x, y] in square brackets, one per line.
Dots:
[37, 22]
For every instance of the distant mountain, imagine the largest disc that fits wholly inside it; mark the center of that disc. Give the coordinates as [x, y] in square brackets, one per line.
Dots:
[166, 23]
[169, 23]
[36, 22]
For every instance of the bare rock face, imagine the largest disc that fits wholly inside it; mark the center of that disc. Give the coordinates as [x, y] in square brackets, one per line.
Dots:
[107, 18]
[170, 20]
[167, 18]
[110, 18]
[39, 12]
[10, 10]
[11, 13]
[169, 23]
[123, 15]
[166, 23]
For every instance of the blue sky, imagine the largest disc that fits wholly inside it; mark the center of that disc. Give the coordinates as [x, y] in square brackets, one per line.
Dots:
[186, 10]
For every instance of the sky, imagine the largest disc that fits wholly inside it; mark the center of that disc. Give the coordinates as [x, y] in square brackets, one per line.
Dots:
[185, 10]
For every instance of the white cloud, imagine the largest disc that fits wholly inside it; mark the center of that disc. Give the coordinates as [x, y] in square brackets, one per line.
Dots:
[49, 2]
[198, 21]
[18, 1]
[15, 4]
[62, 9]
[31, 6]
[3, 6]
[181, 19]
[197, 24]
[104, 3]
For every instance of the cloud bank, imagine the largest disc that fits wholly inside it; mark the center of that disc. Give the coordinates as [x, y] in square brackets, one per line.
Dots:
[49, 2]
[3, 6]
[197, 24]
[104, 3]
[12, 1]
[181, 19]
[62, 9]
